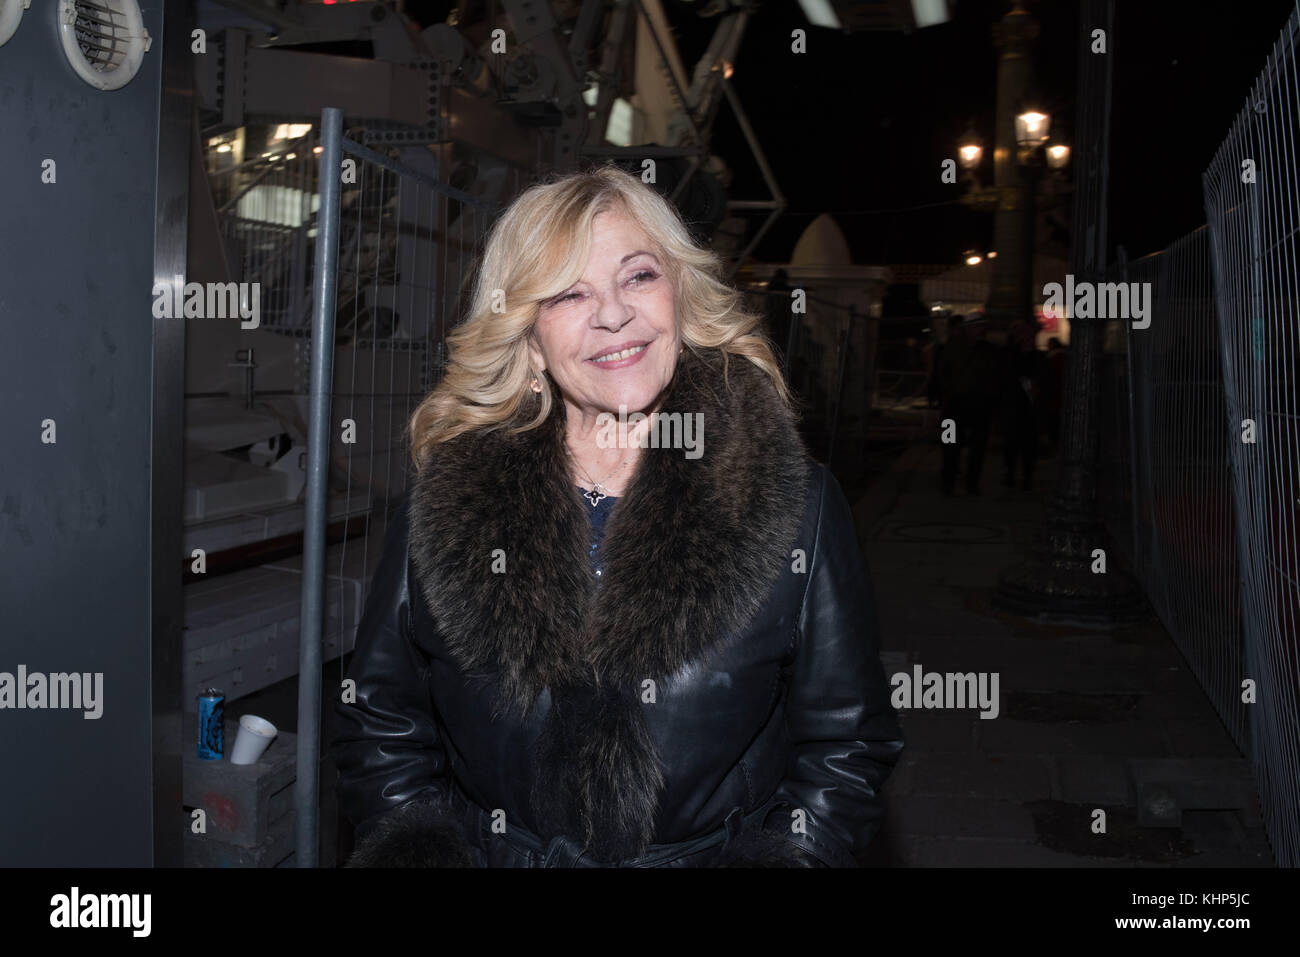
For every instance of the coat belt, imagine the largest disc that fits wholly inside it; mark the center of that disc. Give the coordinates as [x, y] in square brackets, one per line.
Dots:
[564, 851]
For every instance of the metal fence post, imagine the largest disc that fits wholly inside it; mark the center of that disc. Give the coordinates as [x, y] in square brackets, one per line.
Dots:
[306, 797]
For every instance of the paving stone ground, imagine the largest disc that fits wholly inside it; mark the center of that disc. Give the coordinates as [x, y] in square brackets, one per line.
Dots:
[1079, 710]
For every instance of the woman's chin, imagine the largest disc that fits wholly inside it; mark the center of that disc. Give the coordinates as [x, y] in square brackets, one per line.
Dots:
[629, 403]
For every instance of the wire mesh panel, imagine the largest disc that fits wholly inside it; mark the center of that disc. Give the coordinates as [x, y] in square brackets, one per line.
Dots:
[828, 354]
[1185, 546]
[266, 209]
[1115, 465]
[1252, 197]
[407, 244]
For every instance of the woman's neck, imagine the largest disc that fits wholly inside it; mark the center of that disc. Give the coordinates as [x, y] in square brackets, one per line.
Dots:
[596, 453]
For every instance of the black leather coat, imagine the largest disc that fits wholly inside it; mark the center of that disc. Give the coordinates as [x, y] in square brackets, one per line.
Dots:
[716, 699]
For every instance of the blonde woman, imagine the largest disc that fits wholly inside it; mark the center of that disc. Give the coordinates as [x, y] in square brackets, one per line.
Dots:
[623, 619]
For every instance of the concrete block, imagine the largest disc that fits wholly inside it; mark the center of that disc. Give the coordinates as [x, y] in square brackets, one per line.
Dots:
[276, 851]
[245, 805]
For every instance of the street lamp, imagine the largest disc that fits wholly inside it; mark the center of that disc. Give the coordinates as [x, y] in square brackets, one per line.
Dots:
[1032, 126]
[970, 151]
[1034, 161]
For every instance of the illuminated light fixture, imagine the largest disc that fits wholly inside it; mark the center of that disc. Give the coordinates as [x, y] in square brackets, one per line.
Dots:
[969, 148]
[619, 129]
[290, 131]
[991, 254]
[105, 41]
[820, 13]
[1058, 155]
[11, 11]
[974, 259]
[1032, 127]
[223, 148]
[318, 150]
[291, 156]
[928, 13]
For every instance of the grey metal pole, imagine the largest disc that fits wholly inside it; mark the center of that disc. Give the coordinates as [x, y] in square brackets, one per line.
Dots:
[306, 798]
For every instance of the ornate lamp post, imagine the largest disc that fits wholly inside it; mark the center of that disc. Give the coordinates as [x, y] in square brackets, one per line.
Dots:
[1014, 35]
[1061, 579]
[1067, 576]
[1035, 158]
[1032, 127]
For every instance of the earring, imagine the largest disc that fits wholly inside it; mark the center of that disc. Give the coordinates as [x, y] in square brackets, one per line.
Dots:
[535, 385]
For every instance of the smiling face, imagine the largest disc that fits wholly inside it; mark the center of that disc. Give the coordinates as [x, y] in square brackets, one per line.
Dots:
[611, 338]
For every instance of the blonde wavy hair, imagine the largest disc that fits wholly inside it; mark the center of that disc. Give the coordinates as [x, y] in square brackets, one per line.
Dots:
[537, 249]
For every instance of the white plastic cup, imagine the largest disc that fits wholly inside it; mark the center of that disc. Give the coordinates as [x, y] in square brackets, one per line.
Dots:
[254, 735]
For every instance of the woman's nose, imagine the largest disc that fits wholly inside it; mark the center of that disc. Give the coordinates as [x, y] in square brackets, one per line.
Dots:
[612, 312]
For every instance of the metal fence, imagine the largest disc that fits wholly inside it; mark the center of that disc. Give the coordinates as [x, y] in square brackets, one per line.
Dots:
[394, 248]
[1167, 487]
[266, 209]
[827, 355]
[1252, 199]
[1200, 463]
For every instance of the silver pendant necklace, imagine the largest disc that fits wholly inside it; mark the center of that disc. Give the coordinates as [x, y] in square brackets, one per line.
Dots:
[598, 491]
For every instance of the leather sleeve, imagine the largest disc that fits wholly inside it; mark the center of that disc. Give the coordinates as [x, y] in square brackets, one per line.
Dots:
[844, 732]
[387, 748]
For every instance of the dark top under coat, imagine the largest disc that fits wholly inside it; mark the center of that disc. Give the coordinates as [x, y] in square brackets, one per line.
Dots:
[598, 514]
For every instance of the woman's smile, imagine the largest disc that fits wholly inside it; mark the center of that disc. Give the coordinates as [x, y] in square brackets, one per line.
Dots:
[620, 358]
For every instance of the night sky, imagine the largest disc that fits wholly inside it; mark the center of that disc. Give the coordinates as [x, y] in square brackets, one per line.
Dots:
[859, 125]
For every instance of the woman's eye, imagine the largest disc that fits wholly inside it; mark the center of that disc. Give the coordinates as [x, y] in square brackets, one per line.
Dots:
[644, 276]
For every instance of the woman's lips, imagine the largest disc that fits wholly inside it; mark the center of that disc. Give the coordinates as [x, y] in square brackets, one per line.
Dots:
[621, 360]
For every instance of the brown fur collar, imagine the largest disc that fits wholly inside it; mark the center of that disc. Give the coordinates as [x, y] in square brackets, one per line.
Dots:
[689, 554]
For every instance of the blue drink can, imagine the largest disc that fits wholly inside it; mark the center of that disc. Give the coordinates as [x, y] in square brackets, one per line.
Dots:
[212, 708]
